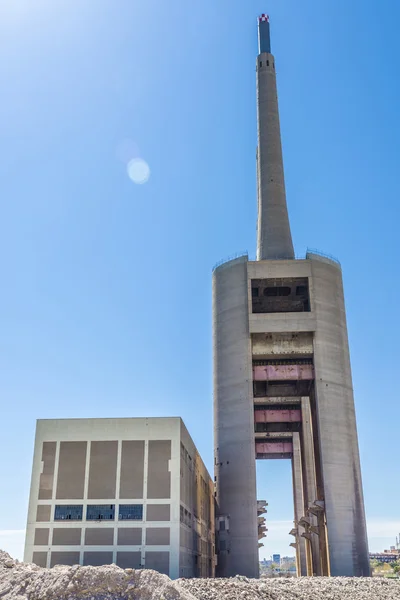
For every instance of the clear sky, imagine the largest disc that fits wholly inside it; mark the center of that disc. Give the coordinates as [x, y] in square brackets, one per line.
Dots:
[105, 307]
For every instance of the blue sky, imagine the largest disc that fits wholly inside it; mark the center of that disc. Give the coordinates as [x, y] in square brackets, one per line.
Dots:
[106, 284]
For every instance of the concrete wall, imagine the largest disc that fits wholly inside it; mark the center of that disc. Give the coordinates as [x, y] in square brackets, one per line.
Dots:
[197, 537]
[269, 345]
[347, 536]
[235, 468]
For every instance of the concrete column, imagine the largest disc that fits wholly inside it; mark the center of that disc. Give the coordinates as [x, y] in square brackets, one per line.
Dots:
[274, 239]
[309, 476]
[337, 431]
[235, 465]
[301, 551]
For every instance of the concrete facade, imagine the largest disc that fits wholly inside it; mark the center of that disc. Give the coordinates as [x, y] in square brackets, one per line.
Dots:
[235, 467]
[147, 482]
[324, 448]
[282, 381]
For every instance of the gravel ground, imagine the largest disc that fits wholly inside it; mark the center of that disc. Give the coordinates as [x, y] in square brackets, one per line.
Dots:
[304, 588]
[20, 581]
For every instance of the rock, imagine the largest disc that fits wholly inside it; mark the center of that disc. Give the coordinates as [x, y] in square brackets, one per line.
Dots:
[9, 563]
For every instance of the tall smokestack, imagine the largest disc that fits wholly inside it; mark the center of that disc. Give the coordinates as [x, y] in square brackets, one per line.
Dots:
[274, 239]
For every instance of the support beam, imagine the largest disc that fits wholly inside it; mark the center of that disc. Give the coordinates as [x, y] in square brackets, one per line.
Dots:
[298, 496]
[309, 476]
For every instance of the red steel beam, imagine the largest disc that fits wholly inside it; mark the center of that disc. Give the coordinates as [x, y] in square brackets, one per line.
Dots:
[274, 447]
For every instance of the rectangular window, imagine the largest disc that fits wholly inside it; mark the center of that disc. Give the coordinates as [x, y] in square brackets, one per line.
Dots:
[67, 512]
[280, 295]
[100, 512]
[222, 525]
[130, 512]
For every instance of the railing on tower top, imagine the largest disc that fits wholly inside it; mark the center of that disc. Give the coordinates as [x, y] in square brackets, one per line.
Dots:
[323, 254]
[298, 257]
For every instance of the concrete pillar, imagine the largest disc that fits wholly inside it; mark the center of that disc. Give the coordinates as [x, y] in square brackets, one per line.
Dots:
[235, 464]
[298, 496]
[309, 476]
[337, 431]
[274, 239]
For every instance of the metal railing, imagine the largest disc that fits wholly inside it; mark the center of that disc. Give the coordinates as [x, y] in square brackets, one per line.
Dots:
[229, 258]
[297, 257]
[323, 254]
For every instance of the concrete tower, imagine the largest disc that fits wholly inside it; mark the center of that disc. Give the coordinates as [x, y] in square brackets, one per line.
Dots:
[282, 381]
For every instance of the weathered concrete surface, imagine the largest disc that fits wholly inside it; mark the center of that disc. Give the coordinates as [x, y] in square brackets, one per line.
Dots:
[274, 239]
[298, 501]
[235, 465]
[310, 479]
[336, 421]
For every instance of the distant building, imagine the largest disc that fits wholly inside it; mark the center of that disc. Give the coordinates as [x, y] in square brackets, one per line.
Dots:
[288, 563]
[266, 563]
[133, 492]
[276, 558]
[385, 557]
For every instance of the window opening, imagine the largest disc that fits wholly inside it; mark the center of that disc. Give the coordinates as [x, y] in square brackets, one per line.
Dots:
[71, 512]
[130, 512]
[100, 512]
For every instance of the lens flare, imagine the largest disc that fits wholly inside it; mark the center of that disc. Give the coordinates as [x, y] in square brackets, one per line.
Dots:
[138, 170]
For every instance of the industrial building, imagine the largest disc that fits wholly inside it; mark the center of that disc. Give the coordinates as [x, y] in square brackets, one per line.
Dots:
[133, 492]
[282, 380]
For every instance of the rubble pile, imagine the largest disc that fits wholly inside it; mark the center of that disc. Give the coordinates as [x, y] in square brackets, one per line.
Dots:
[21, 581]
[303, 588]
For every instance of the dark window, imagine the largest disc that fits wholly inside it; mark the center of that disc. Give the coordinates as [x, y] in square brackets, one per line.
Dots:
[267, 63]
[280, 295]
[130, 512]
[100, 512]
[272, 291]
[254, 292]
[66, 512]
[301, 290]
[222, 525]
[277, 291]
[222, 545]
[260, 63]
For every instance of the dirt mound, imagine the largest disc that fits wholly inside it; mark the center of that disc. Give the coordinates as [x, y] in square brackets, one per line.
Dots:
[21, 581]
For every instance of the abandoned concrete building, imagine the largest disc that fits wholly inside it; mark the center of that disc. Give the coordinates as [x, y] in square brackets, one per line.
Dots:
[133, 492]
[282, 380]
